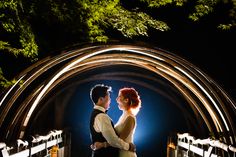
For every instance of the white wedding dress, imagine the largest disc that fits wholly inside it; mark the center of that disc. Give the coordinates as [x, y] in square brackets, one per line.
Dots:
[118, 127]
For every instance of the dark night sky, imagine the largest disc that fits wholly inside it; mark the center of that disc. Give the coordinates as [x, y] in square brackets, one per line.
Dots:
[201, 43]
[212, 52]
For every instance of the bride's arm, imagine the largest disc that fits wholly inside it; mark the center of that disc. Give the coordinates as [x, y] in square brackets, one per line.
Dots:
[128, 127]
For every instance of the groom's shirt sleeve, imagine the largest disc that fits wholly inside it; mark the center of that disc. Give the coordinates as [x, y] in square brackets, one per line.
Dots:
[102, 124]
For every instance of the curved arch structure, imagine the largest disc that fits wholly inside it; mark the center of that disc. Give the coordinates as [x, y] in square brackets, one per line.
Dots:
[207, 100]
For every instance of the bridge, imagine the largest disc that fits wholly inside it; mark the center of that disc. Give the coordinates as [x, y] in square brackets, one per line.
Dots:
[187, 145]
[52, 144]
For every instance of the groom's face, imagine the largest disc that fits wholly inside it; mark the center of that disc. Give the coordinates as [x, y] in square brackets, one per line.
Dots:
[107, 101]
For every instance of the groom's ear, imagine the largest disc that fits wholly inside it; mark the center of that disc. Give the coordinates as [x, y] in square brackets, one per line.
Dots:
[100, 99]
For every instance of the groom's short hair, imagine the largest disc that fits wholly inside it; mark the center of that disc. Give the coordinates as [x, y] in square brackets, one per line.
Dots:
[99, 90]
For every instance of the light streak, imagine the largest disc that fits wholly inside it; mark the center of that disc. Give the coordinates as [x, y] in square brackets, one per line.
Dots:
[11, 89]
[67, 68]
[150, 59]
[216, 106]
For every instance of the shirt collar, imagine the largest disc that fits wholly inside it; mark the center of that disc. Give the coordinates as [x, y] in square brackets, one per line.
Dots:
[99, 108]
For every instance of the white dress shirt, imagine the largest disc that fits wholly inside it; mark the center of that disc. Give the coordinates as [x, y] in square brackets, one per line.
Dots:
[102, 124]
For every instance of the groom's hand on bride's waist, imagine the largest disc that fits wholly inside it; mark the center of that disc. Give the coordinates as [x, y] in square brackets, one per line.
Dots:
[132, 147]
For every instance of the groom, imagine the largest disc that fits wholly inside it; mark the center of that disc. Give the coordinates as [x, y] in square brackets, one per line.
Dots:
[101, 126]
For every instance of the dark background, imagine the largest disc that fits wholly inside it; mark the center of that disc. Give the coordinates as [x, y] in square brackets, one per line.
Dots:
[201, 43]
[212, 51]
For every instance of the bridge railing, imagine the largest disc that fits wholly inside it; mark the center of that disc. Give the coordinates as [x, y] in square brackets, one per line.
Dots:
[43, 146]
[187, 145]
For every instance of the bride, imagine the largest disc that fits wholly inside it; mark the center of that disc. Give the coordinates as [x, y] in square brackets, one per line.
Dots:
[129, 102]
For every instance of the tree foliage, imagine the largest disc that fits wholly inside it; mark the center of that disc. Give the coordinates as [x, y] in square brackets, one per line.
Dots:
[13, 22]
[88, 19]
[205, 7]
[159, 3]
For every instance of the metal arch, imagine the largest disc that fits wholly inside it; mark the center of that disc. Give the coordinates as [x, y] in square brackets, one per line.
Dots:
[171, 67]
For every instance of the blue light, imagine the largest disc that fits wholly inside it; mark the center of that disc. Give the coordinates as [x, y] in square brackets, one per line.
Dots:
[156, 119]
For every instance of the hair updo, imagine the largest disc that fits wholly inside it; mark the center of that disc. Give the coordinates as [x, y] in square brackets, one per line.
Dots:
[133, 97]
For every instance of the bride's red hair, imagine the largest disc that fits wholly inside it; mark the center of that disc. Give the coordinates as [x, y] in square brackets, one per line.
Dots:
[133, 97]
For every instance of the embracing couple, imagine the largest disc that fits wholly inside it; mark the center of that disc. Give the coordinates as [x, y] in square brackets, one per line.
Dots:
[109, 140]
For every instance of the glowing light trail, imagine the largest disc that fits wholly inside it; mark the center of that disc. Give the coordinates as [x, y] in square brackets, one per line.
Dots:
[181, 74]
